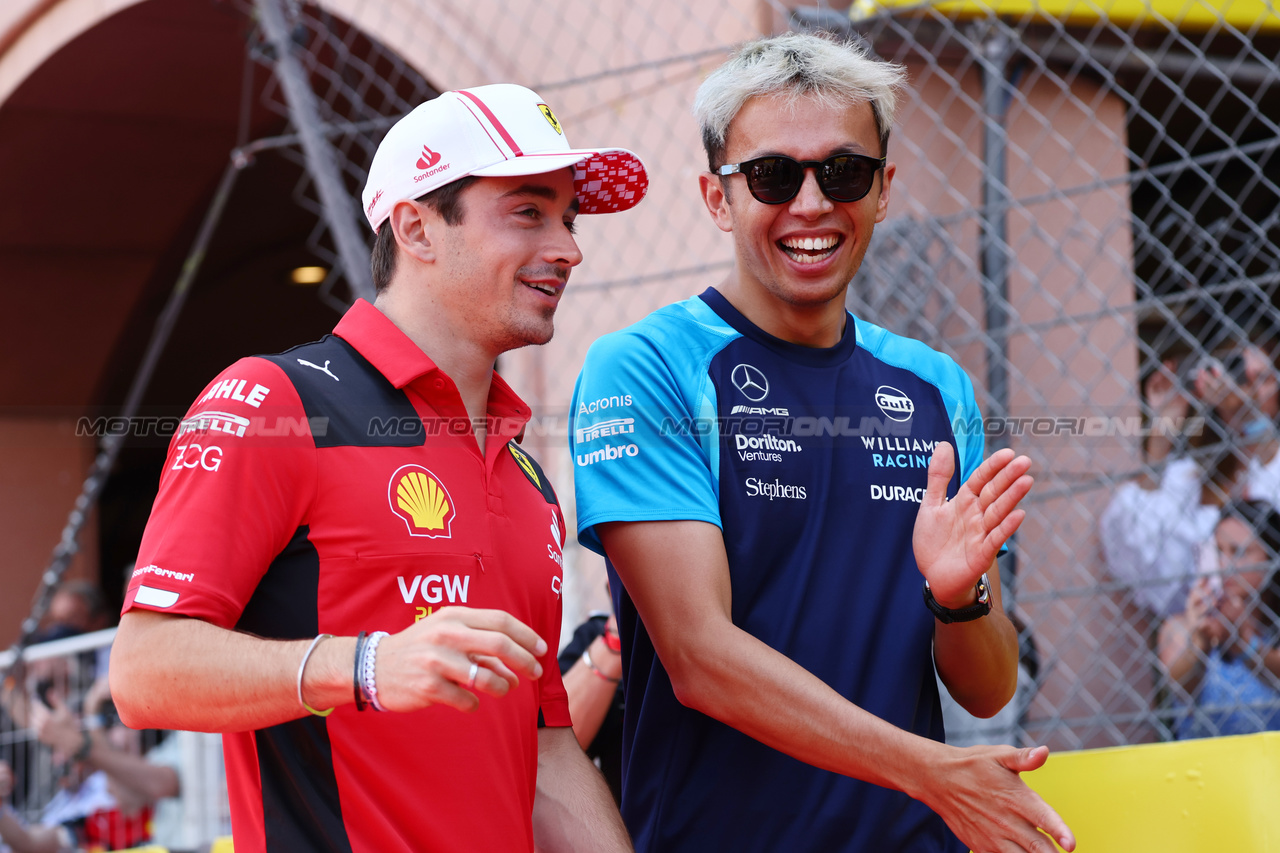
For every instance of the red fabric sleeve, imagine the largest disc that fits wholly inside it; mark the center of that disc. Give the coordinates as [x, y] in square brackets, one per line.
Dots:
[237, 483]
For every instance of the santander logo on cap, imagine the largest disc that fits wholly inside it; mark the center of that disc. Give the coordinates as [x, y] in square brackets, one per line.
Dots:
[428, 159]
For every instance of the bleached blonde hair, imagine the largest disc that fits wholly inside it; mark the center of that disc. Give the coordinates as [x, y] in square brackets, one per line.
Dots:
[796, 65]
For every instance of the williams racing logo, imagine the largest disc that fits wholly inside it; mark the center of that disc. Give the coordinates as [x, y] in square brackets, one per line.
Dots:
[896, 405]
[419, 498]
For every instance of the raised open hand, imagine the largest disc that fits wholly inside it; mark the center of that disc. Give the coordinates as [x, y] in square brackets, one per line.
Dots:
[956, 540]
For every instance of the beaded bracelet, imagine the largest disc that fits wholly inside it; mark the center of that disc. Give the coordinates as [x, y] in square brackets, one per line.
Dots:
[368, 669]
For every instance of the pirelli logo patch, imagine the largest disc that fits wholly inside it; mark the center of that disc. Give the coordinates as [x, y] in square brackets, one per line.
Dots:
[533, 473]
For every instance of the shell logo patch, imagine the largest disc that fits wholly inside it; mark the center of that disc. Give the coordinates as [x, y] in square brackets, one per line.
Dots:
[421, 500]
[551, 118]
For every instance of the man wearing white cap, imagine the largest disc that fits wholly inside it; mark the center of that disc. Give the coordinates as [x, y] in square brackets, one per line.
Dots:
[349, 549]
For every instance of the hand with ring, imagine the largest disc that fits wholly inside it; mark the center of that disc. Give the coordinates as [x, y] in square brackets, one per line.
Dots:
[453, 656]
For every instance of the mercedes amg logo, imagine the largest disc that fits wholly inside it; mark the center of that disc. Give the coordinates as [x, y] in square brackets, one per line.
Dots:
[750, 381]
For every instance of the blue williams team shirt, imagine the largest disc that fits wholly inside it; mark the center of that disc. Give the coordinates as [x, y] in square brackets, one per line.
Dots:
[813, 463]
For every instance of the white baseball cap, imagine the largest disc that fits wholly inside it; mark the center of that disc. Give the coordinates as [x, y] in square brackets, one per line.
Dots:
[493, 131]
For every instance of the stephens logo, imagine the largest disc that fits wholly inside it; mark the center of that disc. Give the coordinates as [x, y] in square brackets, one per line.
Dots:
[757, 488]
[419, 498]
[895, 404]
[749, 380]
[428, 159]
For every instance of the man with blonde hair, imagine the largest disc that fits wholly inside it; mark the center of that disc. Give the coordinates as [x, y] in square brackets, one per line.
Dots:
[773, 481]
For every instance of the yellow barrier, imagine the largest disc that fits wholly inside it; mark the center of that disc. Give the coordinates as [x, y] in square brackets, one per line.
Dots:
[1190, 796]
[1248, 16]
[1194, 796]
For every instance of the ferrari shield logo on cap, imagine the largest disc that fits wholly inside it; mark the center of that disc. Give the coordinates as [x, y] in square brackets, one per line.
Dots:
[551, 118]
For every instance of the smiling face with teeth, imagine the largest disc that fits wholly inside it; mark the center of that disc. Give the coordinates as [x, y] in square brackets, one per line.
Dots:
[795, 260]
[504, 267]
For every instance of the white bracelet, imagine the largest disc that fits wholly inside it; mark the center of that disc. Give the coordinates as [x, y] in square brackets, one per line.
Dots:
[368, 669]
[302, 666]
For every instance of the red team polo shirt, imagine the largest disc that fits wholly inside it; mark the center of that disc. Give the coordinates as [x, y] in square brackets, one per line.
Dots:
[337, 488]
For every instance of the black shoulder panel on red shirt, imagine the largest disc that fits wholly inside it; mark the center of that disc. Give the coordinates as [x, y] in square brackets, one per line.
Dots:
[284, 604]
[301, 809]
[348, 401]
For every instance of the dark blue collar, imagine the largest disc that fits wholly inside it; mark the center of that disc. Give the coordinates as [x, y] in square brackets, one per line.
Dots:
[810, 356]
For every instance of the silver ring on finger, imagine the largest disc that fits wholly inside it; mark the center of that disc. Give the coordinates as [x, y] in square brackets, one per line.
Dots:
[471, 676]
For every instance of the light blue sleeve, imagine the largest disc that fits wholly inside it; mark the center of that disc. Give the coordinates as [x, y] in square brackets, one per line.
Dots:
[943, 373]
[643, 434]
[966, 423]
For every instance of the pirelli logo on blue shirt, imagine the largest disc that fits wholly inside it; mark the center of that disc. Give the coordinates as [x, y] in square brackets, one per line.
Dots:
[601, 429]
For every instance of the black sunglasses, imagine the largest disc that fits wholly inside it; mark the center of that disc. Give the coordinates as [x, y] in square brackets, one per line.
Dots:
[777, 179]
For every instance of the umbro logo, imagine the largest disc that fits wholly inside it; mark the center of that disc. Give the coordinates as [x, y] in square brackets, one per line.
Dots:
[428, 159]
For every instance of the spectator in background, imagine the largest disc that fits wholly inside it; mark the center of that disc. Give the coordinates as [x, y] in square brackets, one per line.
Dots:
[77, 607]
[1221, 651]
[178, 788]
[591, 664]
[1154, 531]
[17, 836]
[109, 789]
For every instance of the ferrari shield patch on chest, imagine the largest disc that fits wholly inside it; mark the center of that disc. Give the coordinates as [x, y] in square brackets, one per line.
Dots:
[533, 473]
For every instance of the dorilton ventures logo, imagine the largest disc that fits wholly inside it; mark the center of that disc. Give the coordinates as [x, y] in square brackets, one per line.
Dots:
[428, 159]
[750, 381]
[419, 498]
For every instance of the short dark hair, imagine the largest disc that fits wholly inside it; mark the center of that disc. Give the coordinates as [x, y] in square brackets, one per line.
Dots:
[446, 201]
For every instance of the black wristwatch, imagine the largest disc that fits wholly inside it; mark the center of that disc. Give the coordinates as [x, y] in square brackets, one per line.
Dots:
[977, 610]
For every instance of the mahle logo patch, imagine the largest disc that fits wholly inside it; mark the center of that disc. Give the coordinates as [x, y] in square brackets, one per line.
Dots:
[551, 118]
[421, 500]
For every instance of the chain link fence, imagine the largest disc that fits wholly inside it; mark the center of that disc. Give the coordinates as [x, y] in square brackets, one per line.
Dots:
[1085, 215]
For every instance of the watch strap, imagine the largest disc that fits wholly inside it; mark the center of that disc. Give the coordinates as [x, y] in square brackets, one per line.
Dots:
[977, 610]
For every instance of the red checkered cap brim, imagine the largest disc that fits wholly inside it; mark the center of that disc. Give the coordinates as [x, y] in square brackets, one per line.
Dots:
[607, 180]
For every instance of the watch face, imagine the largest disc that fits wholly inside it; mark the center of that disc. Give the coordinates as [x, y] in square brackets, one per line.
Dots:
[984, 590]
